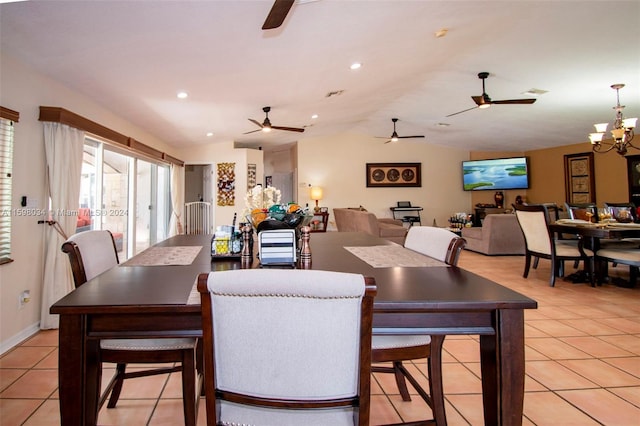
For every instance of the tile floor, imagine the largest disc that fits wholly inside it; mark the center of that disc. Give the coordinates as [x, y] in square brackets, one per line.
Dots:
[582, 364]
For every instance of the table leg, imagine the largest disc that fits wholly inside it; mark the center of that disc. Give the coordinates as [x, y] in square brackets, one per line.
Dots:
[77, 379]
[502, 365]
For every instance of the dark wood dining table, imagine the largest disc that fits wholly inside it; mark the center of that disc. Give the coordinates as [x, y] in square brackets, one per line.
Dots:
[154, 301]
[592, 233]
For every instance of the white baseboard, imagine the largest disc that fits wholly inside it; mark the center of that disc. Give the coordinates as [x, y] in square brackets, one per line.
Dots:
[18, 338]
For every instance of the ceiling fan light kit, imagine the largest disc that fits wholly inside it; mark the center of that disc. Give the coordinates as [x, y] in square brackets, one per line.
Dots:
[622, 132]
[266, 125]
[394, 136]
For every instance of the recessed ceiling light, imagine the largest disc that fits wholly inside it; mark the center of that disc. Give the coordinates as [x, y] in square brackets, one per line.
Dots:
[443, 124]
[209, 134]
[182, 95]
[314, 116]
[356, 65]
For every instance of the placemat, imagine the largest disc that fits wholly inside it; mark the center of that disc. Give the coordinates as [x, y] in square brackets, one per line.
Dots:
[162, 256]
[392, 255]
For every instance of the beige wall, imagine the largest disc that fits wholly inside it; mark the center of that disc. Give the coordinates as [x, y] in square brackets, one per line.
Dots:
[338, 165]
[25, 91]
[547, 175]
[226, 153]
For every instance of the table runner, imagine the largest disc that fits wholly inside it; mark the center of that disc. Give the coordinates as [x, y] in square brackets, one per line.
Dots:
[392, 255]
[158, 256]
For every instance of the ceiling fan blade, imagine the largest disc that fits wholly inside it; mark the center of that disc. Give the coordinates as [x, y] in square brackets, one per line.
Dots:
[410, 137]
[278, 13]
[515, 101]
[290, 129]
[253, 131]
[460, 112]
[387, 142]
[256, 122]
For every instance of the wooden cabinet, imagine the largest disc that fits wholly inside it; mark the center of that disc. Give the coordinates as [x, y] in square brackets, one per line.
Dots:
[319, 222]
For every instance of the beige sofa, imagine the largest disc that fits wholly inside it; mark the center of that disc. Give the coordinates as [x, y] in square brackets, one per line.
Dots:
[356, 220]
[500, 234]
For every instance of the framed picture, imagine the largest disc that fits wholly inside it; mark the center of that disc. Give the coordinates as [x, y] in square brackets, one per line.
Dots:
[251, 176]
[580, 183]
[268, 181]
[393, 174]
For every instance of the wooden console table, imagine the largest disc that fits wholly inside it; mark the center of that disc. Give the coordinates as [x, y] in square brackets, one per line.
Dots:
[321, 225]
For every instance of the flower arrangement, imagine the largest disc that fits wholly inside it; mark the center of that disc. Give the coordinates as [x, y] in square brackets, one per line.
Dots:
[261, 199]
[263, 205]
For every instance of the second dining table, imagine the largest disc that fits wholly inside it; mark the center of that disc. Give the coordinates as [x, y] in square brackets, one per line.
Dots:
[592, 233]
[131, 301]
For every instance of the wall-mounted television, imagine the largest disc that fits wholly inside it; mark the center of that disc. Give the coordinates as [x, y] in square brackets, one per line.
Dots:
[495, 174]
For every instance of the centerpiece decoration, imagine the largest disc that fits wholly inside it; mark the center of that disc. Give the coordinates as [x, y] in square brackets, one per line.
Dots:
[264, 210]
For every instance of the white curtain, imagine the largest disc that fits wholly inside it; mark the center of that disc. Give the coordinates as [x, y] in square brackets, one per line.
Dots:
[177, 200]
[63, 151]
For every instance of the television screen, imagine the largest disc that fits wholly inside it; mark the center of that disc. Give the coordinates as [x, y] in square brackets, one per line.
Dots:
[495, 174]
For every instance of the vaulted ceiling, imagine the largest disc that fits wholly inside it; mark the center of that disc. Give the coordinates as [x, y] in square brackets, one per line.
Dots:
[133, 57]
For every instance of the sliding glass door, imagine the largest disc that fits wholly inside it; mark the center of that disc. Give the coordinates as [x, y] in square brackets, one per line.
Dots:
[126, 195]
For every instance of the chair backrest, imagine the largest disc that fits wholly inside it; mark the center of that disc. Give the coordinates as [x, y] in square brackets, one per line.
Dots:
[197, 218]
[90, 254]
[301, 338]
[623, 212]
[581, 210]
[534, 222]
[438, 243]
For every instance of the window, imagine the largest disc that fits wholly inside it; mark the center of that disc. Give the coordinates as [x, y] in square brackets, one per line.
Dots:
[124, 194]
[7, 119]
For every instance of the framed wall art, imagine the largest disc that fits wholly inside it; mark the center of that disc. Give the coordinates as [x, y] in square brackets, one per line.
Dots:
[394, 174]
[251, 176]
[580, 182]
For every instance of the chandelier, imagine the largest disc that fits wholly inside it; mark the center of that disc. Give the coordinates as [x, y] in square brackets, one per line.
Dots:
[622, 132]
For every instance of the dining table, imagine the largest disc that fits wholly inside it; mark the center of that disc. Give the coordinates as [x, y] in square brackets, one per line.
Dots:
[592, 235]
[152, 295]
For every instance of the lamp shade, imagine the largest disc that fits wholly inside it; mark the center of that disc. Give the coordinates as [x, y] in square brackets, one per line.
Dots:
[316, 193]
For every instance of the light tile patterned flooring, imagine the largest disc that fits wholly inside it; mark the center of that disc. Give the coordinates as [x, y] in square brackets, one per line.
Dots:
[582, 364]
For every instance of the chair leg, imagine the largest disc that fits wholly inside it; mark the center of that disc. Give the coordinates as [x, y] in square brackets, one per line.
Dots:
[435, 380]
[554, 271]
[527, 265]
[117, 385]
[189, 387]
[400, 380]
[535, 262]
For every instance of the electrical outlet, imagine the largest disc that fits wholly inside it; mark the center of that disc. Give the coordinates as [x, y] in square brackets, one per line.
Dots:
[24, 298]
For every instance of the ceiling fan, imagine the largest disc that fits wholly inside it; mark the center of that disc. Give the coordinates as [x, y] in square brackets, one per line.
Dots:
[266, 125]
[484, 101]
[278, 13]
[394, 136]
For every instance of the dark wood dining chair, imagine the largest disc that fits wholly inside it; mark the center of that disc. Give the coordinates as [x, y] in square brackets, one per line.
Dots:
[540, 242]
[583, 211]
[445, 246]
[92, 253]
[286, 347]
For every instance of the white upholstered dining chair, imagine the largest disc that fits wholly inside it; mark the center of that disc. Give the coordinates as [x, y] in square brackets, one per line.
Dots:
[90, 254]
[445, 246]
[286, 347]
[540, 242]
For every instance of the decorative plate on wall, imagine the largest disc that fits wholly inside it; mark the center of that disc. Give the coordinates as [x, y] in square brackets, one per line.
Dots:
[393, 174]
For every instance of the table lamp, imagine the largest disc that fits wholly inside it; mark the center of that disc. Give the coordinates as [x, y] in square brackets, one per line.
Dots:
[316, 194]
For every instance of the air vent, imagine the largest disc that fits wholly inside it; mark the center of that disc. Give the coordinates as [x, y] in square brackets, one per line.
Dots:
[535, 92]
